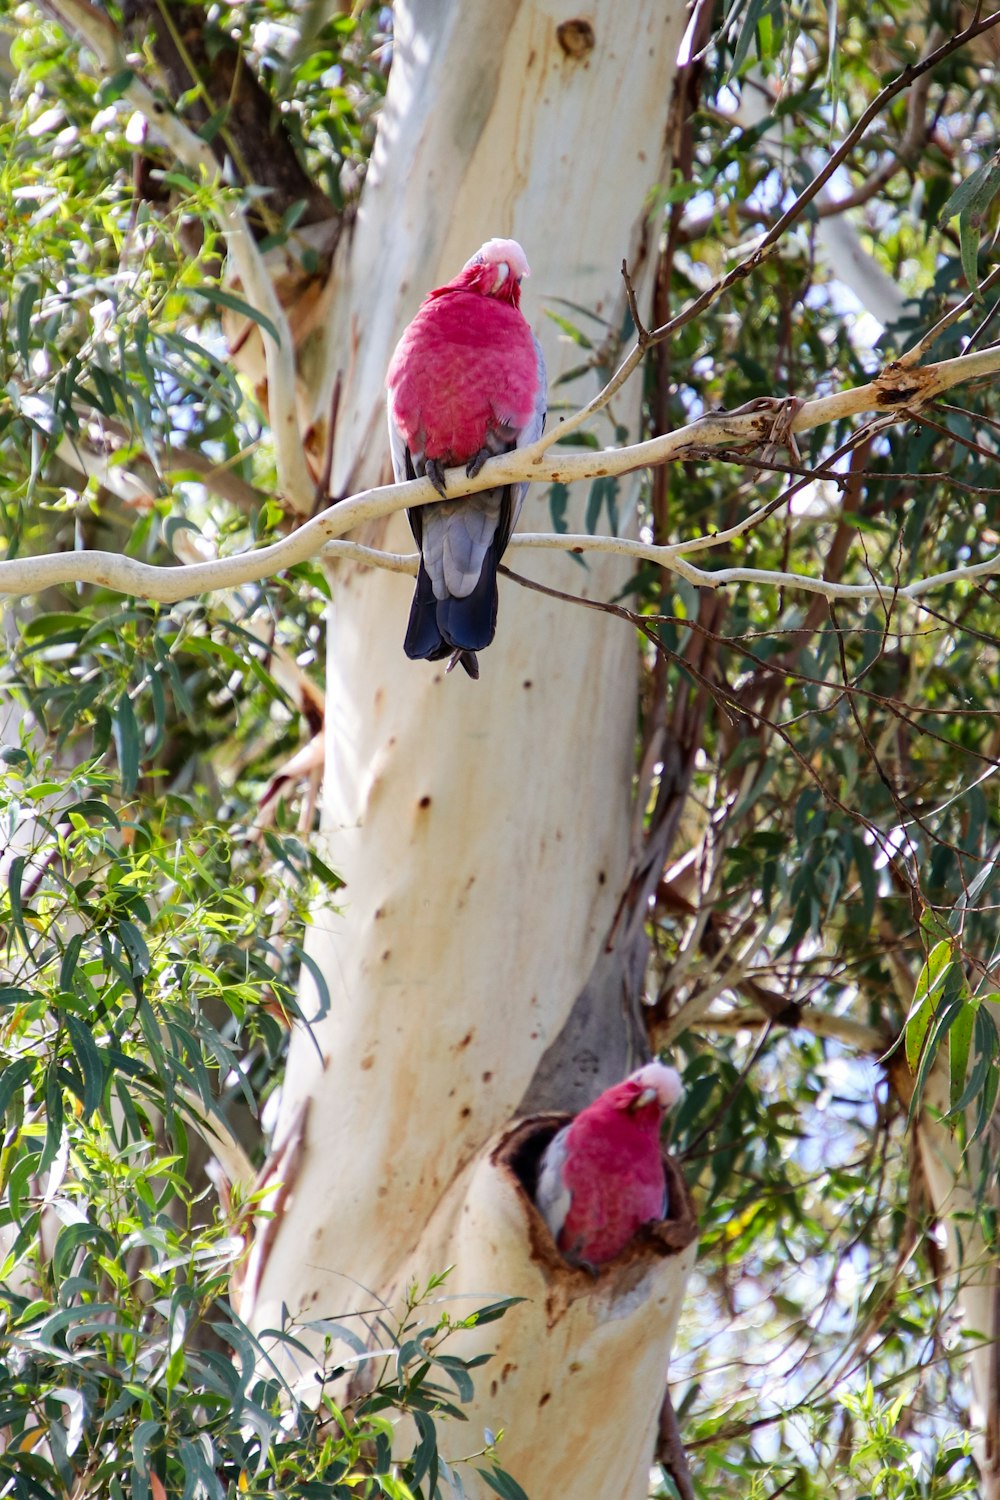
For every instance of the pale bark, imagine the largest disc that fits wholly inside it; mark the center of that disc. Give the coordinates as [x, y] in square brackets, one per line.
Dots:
[951, 1175]
[482, 828]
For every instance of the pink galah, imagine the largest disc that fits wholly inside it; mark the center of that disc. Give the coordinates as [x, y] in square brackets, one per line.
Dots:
[601, 1176]
[467, 381]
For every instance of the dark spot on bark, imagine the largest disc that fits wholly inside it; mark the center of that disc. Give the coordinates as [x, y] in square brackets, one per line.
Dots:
[451, 1093]
[493, 1387]
[901, 394]
[378, 913]
[425, 801]
[547, 1396]
[367, 1062]
[576, 38]
[531, 57]
[467, 1038]
[601, 877]
[385, 955]
[575, 1367]
[526, 683]
[464, 1112]
[508, 1369]
[487, 1077]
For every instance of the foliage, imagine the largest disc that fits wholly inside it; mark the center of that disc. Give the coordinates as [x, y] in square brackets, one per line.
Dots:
[839, 764]
[153, 938]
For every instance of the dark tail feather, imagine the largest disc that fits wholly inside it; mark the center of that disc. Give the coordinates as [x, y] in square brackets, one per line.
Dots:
[468, 659]
[453, 627]
[470, 624]
[424, 641]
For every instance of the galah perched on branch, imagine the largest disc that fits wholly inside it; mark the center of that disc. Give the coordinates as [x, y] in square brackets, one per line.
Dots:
[467, 381]
[601, 1176]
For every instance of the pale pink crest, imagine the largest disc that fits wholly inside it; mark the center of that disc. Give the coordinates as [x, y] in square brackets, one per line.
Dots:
[506, 256]
[666, 1082]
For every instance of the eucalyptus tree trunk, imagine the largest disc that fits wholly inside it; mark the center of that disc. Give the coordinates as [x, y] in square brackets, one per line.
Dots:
[961, 1194]
[483, 828]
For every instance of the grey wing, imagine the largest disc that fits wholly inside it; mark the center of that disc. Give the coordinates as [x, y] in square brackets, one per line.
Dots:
[405, 465]
[552, 1196]
[529, 433]
[455, 537]
[397, 447]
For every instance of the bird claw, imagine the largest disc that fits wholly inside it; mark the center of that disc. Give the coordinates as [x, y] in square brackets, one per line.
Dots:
[476, 462]
[435, 474]
[466, 659]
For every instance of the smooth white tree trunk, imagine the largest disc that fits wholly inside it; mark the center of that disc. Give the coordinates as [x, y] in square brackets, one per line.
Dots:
[952, 1174]
[482, 828]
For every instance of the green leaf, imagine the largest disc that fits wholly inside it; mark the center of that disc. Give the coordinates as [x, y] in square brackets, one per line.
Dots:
[229, 300]
[494, 1310]
[974, 195]
[135, 946]
[126, 736]
[959, 1044]
[14, 877]
[88, 1055]
[22, 318]
[501, 1482]
[13, 1077]
[69, 961]
[12, 994]
[570, 329]
[968, 239]
[92, 808]
[747, 32]
[114, 87]
[425, 1452]
[987, 1050]
[929, 983]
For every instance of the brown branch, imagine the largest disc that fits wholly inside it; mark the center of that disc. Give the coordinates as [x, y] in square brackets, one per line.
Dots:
[670, 1450]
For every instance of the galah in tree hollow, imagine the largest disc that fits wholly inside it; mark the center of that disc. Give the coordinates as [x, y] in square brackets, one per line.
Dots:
[601, 1176]
[467, 381]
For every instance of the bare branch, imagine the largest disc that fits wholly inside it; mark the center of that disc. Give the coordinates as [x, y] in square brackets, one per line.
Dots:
[864, 1039]
[894, 390]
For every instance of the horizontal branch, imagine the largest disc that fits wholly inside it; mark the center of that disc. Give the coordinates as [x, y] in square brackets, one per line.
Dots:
[894, 390]
[864, 1039]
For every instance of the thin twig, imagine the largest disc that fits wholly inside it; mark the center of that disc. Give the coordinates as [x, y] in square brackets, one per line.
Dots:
[641, 331]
